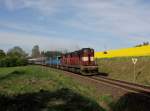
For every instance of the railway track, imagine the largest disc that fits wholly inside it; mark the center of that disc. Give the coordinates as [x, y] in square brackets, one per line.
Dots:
[128, 86]
[131, 87]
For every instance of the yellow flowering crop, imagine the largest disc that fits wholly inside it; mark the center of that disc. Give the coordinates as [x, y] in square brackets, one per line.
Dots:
[126, 52]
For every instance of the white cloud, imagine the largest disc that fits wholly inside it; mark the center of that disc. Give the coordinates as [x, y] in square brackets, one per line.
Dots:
[42, 6]
[28, 41]
[125, 19]
[27, 27]
[117, 17]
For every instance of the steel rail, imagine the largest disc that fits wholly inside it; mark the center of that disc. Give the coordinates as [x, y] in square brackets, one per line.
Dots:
[145, 90]
[128, 86]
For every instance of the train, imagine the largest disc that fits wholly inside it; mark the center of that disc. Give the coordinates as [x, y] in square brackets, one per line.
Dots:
[81, 61]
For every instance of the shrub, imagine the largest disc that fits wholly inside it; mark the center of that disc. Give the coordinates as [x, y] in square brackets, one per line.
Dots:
[12, 61]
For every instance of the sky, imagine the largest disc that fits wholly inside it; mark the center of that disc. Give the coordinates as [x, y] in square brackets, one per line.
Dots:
[74, 24]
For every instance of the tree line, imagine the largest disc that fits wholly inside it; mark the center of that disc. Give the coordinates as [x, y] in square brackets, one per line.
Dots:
[16, 56]
[13, 57]
[143, 44]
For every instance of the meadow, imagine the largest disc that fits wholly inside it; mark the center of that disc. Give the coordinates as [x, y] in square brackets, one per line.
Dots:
[123, 69]
[36, 88]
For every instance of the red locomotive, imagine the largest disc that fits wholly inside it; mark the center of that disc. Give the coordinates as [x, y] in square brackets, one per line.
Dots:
[81, 61]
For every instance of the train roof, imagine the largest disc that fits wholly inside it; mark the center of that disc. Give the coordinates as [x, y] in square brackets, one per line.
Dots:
[78, 51]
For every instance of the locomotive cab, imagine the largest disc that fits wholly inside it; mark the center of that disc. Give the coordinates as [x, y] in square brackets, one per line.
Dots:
[88, 64]
[87, 57]
[81, 61]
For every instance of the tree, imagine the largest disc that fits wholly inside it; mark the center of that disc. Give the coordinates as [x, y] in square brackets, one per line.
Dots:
[145, 43]
[17, 52]
[2, 54]
[36, 51]
[15, 57]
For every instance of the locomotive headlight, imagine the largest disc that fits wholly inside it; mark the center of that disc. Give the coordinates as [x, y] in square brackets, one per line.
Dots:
[91, 58]
[84, 58]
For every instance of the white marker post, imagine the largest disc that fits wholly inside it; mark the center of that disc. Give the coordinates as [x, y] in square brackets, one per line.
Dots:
[134, 60]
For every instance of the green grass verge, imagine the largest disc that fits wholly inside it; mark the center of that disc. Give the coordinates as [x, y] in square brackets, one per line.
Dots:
[47, 88]
[36, 88]
[123, 69]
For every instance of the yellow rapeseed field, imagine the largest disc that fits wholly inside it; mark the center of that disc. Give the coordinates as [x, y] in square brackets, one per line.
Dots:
[126, 52]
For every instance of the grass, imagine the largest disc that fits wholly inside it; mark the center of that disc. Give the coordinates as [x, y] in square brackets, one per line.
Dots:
[48, 88]
[36, 88]
[33, 78]
[123, 69]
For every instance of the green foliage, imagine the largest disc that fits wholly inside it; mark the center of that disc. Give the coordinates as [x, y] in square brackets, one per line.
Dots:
[106, 98]
[123, 69]
[15, 57]
[144, 44]
[21, 62]
[36, 84]
[2, 54]
[12, 61]
[17, 52]
[36, 88]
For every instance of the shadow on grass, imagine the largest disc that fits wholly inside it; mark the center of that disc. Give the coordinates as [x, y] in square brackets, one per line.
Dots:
[132, 102]
[103, 74]
[98, 74]
[13, 74]
[60, 100]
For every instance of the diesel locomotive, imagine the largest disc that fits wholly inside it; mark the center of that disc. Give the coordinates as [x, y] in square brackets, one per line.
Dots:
[81, 61]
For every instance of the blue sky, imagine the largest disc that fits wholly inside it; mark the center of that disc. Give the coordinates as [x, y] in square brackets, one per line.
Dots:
[73, 24]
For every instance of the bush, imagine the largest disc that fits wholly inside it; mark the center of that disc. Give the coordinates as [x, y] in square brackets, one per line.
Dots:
[21, 62]
[13, 61]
